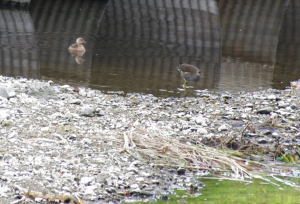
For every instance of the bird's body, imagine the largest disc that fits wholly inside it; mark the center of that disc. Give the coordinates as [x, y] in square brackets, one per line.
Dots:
[78, 45]
[189, 73]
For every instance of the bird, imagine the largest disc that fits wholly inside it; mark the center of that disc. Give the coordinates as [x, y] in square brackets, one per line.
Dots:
[189, 73]
[78, 45]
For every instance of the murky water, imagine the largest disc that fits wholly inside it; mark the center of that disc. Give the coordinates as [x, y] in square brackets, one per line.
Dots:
[135, 46]
[230, 191]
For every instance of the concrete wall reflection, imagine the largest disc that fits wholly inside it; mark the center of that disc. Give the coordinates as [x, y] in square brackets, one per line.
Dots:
[58, 24]
[135, 45]
[250, 32]
[287, 66]
[18, 51]
[143, 41]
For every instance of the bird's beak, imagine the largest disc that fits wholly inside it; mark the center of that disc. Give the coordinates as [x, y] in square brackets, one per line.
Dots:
[83, 42]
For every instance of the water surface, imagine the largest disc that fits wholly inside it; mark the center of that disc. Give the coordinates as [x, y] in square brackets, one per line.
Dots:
[135, 46]
[219, 191]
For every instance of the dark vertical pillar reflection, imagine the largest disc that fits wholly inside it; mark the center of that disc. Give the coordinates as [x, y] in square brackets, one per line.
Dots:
[287, 67]
[18, 50]
[250, 32]
[147, 39]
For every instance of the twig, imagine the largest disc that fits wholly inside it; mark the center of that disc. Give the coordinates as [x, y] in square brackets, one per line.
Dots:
[244, 131]
[238, 134]
[135, 156]
[192, 167]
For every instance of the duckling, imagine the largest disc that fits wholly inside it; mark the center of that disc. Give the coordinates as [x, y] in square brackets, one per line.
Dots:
[189, 73]
[78, 45]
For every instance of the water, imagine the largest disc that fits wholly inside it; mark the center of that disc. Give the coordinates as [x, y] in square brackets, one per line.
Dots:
[135, 46]
[229, 191]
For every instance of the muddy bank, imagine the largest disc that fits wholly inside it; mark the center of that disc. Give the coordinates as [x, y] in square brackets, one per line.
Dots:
[57, 140]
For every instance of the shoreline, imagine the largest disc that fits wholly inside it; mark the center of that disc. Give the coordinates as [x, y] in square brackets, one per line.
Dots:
[58, 141]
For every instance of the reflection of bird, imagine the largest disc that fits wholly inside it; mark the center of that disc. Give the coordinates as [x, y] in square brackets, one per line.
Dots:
[79, 60]
[189, 73]
[78, 56]
[78, 45]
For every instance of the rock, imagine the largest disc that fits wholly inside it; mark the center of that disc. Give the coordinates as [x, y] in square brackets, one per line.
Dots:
[155, 181]
[266, 110]
[89, 190]
[41, 90]
[181, 200]
[200, 185]
[55, 115]
[145, 174]
[9, 174]
[69, 115]
[4, 189]
[82, 93]
[273, 115]
[75, 101]
[282, 104]
[271, 97]
[87, 111]
[7, 91]
[12, 137]
[145, 194]
[225, 96]
[201, 121]
[38, 200]
[249, 105]
[65, 188]
[248, 109]
[66, 88]
[4, 114]
[134, 186]
[91, 94]
[293, 107]
[45, 129]
[202, 131]
[7, 157]
[223, 127]
[181, 170]
[100, 112]
[111, 190]
[263, 140]
[86, 180]
[58, 136]
[22, 110]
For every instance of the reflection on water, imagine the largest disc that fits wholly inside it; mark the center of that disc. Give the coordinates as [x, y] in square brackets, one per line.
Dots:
[287, 67]
[18, 44]
[135, 46]
[141, 43]
[78, 56]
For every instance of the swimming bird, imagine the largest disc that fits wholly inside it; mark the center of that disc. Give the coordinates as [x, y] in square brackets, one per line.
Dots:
[78, 45]
[189, 73]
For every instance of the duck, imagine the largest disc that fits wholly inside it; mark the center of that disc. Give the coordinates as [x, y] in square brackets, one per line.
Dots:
[78, 45]
[189, 73]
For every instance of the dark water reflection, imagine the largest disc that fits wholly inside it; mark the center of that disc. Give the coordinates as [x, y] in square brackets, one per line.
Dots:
[135, 46]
